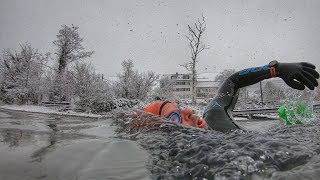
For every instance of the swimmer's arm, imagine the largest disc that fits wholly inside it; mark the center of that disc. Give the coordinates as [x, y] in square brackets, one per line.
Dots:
[295, 75]
[227, 95]
[218, 113]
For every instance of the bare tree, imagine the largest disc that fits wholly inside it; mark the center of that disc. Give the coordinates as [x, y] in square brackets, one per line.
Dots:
[142, 84]
[69, 49]
[132, 84]
[196, 46]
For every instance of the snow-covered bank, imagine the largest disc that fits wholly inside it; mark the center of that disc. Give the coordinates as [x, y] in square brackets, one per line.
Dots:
[47, 110]
[119, 105]
[198, 110]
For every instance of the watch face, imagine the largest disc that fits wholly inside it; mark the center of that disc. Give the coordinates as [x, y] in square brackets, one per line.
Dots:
[273, 63]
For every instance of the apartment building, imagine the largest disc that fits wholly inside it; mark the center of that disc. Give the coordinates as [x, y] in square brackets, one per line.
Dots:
[205, 87]
[182, 84]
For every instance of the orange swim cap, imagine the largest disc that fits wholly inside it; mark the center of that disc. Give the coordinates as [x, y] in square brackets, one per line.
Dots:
[154, 108]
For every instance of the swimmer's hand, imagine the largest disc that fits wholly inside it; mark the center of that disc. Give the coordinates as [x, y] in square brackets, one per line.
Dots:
[299, 75]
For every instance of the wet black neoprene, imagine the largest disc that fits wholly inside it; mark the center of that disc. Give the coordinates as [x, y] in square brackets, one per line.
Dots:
[218, 113]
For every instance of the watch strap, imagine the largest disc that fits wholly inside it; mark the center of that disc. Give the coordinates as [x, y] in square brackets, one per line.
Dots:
[273, 71]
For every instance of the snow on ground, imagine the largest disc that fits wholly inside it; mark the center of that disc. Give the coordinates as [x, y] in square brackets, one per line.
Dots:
[46, 110]
[198, 110]
[121, 105]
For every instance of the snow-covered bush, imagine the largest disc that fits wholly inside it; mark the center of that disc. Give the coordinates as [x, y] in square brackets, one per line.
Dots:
[21, 75]
[125, 103]
[91, 92]
[108, 105]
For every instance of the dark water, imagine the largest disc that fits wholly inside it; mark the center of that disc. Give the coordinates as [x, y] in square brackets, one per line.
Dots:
[38, 146]
[277, 152]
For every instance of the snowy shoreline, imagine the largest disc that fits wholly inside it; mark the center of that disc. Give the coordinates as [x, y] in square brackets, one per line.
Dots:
[47, 110]
[53, 111]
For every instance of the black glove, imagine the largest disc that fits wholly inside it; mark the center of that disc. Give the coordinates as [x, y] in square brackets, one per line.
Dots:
[299, 75]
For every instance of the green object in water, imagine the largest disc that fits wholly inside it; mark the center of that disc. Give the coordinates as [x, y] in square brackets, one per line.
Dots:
[290, 116]
[283, 115]
[303, 110]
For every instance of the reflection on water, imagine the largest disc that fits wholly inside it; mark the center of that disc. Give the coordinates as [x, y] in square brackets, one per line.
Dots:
[38, 155]
[39, 146]
[15, 137]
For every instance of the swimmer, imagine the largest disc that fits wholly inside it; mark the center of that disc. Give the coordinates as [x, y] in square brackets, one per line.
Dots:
[218, 113]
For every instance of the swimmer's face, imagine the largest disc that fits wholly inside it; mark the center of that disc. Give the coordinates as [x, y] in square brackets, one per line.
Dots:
[188, 118]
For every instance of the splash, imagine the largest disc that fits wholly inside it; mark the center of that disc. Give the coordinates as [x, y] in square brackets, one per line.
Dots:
[178, 152]
[298, 108]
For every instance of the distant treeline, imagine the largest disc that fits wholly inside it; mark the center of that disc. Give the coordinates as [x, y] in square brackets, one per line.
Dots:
[26, 77]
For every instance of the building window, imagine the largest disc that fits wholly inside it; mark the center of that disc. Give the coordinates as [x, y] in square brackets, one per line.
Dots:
[185, 77]
[182, 83]
[182, 89]
[173, 77]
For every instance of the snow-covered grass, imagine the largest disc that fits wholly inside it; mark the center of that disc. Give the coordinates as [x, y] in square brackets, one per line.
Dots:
[120, 104]
[46, 110]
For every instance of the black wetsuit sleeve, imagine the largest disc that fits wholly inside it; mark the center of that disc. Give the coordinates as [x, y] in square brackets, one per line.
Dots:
[218, 113]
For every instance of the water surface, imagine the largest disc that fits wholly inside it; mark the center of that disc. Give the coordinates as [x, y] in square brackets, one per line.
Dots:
[39, 146]
[269, 151]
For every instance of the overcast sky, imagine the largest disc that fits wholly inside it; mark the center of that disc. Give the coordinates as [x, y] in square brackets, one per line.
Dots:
[239, 34]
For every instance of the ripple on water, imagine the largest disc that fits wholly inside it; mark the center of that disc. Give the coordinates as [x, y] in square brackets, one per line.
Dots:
[187, 153]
